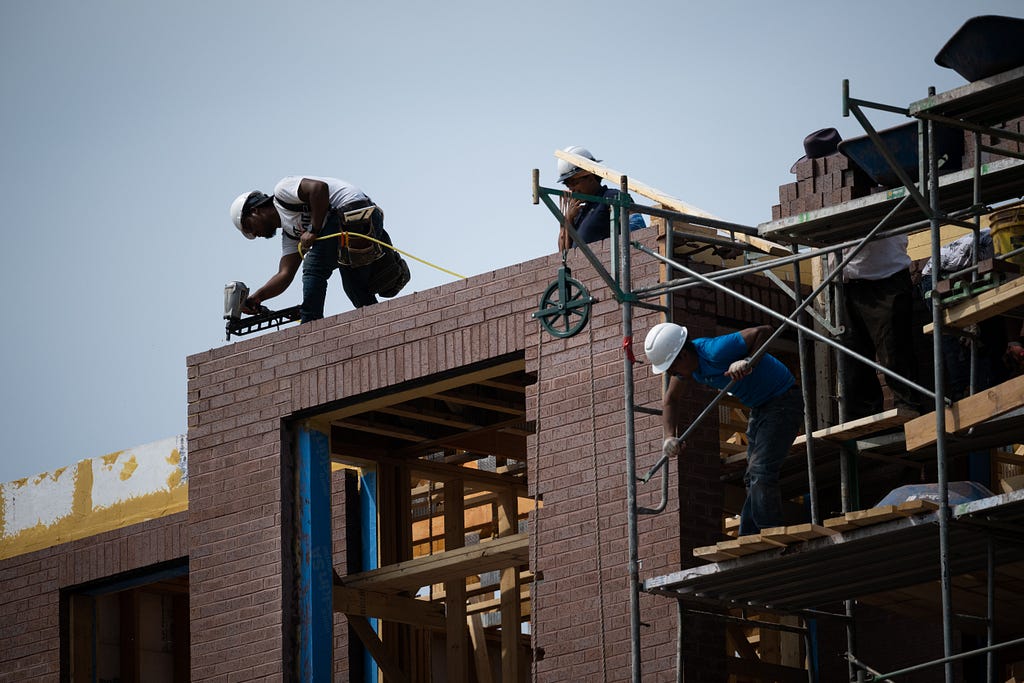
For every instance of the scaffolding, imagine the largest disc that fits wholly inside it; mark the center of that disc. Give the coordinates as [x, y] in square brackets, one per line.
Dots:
[803, 570]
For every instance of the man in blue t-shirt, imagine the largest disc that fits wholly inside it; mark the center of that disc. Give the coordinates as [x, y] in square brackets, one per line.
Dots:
[767, 388]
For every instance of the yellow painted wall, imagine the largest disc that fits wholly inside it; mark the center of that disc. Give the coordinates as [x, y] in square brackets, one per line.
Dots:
[93, 496]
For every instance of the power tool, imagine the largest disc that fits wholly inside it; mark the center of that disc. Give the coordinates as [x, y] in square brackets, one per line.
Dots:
[235, 294]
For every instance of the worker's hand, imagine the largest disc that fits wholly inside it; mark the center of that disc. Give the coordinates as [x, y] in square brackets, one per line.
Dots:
[251, 305]
[306, 241]
[673, 447]
[739, 369]
[564, 241]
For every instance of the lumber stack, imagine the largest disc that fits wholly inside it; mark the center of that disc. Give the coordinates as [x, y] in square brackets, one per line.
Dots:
[783, 536]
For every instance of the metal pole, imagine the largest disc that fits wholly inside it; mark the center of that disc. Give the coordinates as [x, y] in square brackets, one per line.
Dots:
[805, 389]
[779, 316]
[990, 597]
[627, 370]
[940, 413]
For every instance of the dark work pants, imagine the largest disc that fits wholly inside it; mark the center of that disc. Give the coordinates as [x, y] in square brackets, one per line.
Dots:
[879, 325]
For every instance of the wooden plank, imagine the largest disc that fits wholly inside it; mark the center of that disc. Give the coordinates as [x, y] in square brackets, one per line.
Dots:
[796, 533]
[389, 607]
[872, 424]
[747, 545]
[914, 507]
[711, 553]
[839, 524]
[499, 553]
[662, 198]
[1001, 299]
[481, 659]
[875, 515]
[392, 671]
[967, 412]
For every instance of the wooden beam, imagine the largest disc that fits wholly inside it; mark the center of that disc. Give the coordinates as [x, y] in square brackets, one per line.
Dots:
[457, 644]
[481, 659]
[1001, 299]
[967, 412]
[392, 671]
[322, 422]
[662, 198]
[389, 607]
[507, 407]
[511, 600]
[410, 575]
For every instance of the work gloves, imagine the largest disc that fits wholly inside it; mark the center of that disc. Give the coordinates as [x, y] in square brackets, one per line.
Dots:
[739, 369]
[673, 447]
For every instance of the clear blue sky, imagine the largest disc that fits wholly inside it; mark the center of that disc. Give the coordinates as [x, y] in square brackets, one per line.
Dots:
[128, 128]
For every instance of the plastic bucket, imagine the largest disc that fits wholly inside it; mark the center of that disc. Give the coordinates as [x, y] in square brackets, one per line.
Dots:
[1007, 227]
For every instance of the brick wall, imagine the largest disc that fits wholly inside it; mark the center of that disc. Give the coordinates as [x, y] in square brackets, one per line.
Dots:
[30, 599]
[240, 396]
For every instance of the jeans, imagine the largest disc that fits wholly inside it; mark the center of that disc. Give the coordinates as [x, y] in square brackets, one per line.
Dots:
[317, 268]
[879, 322]
[771, 430]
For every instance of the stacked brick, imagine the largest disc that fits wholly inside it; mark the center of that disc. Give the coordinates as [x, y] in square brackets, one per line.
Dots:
[819, 183]
[1015, 126]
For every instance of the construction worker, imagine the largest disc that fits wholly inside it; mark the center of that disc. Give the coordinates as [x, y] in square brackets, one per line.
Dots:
[306, 207]
[591, 220]
[878, 299]
[766, 387]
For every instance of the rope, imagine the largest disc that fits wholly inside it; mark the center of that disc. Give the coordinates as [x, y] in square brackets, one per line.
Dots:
[536, 511]
[597, 511]
[344, 235]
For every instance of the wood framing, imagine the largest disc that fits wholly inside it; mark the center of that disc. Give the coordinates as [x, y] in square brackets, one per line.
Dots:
[389, 607]
[410, 575]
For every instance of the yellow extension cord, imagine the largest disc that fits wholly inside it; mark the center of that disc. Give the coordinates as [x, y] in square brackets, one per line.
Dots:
[389, 246]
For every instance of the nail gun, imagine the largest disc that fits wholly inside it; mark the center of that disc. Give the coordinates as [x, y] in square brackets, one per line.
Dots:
[235, 294]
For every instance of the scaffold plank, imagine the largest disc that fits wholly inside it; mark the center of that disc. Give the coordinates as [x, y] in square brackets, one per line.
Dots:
[967, 412]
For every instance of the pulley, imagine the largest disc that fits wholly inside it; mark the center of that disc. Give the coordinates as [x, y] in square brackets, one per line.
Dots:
[565, 305]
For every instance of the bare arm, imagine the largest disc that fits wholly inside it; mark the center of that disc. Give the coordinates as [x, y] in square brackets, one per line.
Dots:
[670, 406]
[286, 269]
[755, 337]
[317, 197]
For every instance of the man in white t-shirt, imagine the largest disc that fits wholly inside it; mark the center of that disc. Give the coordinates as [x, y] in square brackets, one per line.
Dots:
[878, 298]
[306, 208]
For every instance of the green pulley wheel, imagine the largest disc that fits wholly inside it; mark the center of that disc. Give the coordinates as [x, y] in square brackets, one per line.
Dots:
[565, 305]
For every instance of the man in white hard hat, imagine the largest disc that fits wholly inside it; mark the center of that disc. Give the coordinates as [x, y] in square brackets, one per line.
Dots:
[591, 220]
[305, 208]
[767, 388]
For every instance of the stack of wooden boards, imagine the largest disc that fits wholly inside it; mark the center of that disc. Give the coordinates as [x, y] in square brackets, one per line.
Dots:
[780, 537]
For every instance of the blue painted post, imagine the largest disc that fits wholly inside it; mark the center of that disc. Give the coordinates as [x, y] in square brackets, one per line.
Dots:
[368, 558]
[316, 610]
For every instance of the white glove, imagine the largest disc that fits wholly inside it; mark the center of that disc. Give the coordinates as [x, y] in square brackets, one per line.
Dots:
[739, 369]
[673, 447]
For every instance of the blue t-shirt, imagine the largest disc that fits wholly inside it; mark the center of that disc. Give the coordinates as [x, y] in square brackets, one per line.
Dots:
[769, 379]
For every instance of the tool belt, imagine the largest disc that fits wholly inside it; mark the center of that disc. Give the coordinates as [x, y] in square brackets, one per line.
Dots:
[353, 220]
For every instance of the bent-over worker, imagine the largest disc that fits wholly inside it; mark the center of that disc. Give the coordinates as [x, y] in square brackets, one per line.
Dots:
[767, 388]
[306, 207]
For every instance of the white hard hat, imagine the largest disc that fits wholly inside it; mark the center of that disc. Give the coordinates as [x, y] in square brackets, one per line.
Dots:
[663, 343]
[567, 170]
[246, 200]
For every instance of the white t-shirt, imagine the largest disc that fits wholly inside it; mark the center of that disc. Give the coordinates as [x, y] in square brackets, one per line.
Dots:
[878, 259]
[294, 223]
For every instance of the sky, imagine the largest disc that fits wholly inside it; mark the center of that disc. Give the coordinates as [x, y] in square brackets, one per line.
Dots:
[128, 128]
